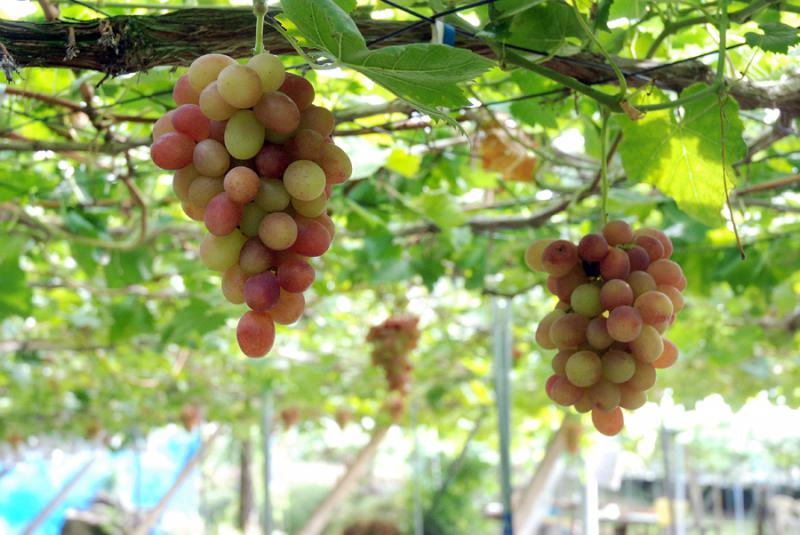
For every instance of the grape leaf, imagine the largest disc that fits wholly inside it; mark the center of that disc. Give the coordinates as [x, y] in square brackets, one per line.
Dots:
[326, 26]
[532, 112]
[777, 37]
[683, 157]
[601, 18]
[509, 8]
[16, 295]
[424, 74]
[545, 27]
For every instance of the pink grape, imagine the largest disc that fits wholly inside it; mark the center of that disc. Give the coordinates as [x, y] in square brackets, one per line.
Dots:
[299, 89]
[272, 161]
[543, 329]
[217, 130]
[255, 334]
[615, 293]
[654, 307]
[182, 181]
[641, 282]
[666, 243]
[172, 151]
[674, 295]
[665, 271]
[335, 164]
[295, 276]
[241, 184]
[559, 257]
[288, 308]
[592, 248]
[278, 113]
[564, 393]
[184, 93]
[261, 291]
[312, 238]
[222, 215]
[278, 231]
[609, 423]
[233, 280]
[630, 398]
[163, 125]
[652, 246]
[584, 404]
[617, 232]
[668, 356]
[604, 394]
[597, 333]
[624, 323]
[615, 265]
[255, 257]
[648, 346]
[569, 331]
[644, 377]
[326, 221]
[638, 258]
[319, 119]
[306, 145]
[189, 120]
[214, 106]
[211, 158]
[566, 284]
[560, 361]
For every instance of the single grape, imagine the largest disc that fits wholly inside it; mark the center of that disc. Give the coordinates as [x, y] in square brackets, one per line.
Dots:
[299, 89]
[189, 120]
[653, 247]
[566, 284]
[241, 184]
[615, 265]
[624, 323]
[584, 368]
[172, 150]
[194, 212]
[335, 164]
[630, 398]
[565, 393]
[319, 119]
[255, 334]
[244, 135]
[674, 295]
[313, 208]
[222, 215]
[644, 377]
[584, 404]
[533, 255]
[282, 257]
[648, 346]
[233, 281]
[206, 68]
[641, 282]
[182, 181]
[618, 366]
[219, 253]
[213, 105]
[597, 334]
[217, 131]
[592, 248]
[665, 271]
[255, 257]
[163, 125]
[261, 291]
[681, 285]
[638, 258]
[543, 329]
[609, 423]
[272, 161]
[278, 113]
[615, 293]
[668, 356]
[288, 308]
[272, 195]
[295, 276]
[184, 93]
[252, 215]
[569, 331]
[604, 394]
[211, 158]
[666, 243]
[654, 307]
[312, 238]
[305, 145]
[239, 85]
[548, 385]
[560, 361]
[617, 232]
[202, 190]
[304, 180]
[326, 221]
[559, 257]
[278, 231]
[585, 300]
[269, 69]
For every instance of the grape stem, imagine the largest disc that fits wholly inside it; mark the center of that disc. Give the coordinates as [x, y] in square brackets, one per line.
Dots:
[260, 11]
[623, 85]
[604, 113]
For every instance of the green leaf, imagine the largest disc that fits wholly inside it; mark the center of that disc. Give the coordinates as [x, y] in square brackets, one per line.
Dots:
[534, 113]
[442, 209]
[601, 18]
[403, 163]
[326, 26]
[15, 298]
[509, 8]
[423, 74]
[346, 5]
[128, 267]
[129, 318]
[545, 27]
[777, 37]
[683, 157]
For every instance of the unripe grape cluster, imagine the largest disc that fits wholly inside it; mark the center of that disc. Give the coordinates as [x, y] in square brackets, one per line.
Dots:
[392, 342]
[618, 293]
[253, 160]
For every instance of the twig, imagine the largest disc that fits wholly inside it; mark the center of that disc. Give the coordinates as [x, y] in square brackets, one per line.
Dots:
[767, 185]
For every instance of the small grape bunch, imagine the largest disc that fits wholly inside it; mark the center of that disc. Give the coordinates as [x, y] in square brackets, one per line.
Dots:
[254, 160]
[618, 293]
[392, 342]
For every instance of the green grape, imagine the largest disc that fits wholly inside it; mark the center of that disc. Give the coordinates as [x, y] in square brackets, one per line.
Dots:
[584, 368]
[278, 231]
[272, 196]
[313, 208]
[644, 377]
[597, 333]
[219, 253]
[618, 366]
[641, 282]
[211, 158]
[533, 255]
[543, 330]
[304, 180]
[604, 394]
[213, 105]
[269, 69]
[630, 398]
[648, 346]
[206, 68]
[202, 190]
[252, 215]
[244, 135]
[569, 331]
[585, 300]
[240, 86]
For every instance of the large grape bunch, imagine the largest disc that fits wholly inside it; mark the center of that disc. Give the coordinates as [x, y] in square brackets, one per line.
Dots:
[618, 293]
[392, 342]
[254, 160]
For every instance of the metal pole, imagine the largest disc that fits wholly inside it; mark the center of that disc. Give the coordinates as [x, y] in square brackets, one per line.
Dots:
[419, 522]
[680, 488]
[591, 502]
[267, 411]
[502, 366]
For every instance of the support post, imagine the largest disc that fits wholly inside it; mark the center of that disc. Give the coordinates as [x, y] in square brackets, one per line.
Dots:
[502, 367]
[267, 411]
[56, 500]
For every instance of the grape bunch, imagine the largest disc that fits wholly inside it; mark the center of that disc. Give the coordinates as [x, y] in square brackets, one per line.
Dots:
[253, 160]
[392, 341]
[618, 293]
